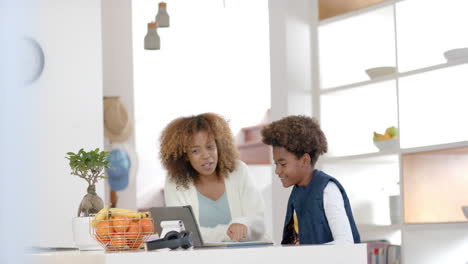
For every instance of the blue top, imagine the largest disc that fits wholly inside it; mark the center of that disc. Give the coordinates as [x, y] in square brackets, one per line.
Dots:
[213, 213]
[307, 202]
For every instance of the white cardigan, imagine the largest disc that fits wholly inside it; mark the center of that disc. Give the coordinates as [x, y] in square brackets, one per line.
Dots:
[245, 203]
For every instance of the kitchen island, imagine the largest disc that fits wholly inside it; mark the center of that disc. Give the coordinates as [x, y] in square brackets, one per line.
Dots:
[330, 254]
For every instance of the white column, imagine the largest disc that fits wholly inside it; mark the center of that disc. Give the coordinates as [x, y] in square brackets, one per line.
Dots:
[117, 59]
[293, 62]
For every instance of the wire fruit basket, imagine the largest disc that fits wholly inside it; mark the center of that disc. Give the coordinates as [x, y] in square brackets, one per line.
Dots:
[122, 231]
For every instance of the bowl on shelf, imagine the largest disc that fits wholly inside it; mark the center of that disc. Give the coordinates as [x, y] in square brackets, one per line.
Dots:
[456, 54]
[380, 72]
[387, 145]
[465, 211]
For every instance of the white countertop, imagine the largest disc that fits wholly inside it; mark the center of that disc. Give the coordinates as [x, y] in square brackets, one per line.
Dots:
[330, 254]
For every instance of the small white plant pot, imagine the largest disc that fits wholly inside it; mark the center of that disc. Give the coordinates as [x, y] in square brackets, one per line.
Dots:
[82, 236]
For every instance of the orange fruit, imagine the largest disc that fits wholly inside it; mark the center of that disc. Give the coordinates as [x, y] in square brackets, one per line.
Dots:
[103, 231]
[133, 232]
[118, 241]
[120, 223]
[136, 243]
[147, 226]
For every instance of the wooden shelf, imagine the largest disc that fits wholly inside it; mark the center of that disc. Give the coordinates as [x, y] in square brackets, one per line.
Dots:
[335, 10]
[357, 12]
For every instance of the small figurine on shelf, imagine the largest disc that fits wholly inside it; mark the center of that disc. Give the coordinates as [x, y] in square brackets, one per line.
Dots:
[162, 18]
[152, 40]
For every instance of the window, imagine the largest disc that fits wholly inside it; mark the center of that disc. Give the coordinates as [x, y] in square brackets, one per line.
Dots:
[214, 57]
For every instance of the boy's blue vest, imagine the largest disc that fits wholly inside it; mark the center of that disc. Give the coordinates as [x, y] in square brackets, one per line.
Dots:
[308, 203]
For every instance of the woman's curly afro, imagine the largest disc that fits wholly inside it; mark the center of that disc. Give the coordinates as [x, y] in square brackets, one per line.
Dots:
[176, 138]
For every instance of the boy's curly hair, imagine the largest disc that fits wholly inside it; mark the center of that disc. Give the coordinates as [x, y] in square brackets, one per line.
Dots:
[176, 138]
[298, 135]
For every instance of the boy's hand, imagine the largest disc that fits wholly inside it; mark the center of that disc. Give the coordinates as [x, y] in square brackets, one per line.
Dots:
[237, 232]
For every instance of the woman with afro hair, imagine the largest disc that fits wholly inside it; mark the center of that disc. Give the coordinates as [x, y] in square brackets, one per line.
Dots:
[204, 171]
[318, 210]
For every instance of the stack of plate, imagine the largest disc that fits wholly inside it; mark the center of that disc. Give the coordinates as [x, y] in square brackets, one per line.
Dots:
[380, 72]
[456, 54]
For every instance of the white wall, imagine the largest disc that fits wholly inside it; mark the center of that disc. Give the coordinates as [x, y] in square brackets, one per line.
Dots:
[292, 33]
[69, 113]
[117, 62]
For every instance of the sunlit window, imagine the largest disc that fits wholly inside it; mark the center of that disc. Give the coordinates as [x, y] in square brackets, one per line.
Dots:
[214, 57]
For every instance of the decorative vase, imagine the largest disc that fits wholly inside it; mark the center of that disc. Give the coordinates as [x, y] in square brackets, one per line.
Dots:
[81, 235]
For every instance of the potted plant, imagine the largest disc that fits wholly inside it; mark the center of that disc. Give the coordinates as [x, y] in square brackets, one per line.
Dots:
[89, 165]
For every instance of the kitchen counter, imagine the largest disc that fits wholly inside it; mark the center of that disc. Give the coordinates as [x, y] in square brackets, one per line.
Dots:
[330, 254]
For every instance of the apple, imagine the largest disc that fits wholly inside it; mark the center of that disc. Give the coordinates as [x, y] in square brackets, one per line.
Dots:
[392, 131]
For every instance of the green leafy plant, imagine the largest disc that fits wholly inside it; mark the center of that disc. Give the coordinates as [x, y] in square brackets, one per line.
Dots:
[89, 165]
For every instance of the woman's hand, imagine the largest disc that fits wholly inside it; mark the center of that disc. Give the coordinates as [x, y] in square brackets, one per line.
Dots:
[237, 232]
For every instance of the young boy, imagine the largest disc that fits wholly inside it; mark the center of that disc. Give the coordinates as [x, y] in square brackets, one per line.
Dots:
[318, 209]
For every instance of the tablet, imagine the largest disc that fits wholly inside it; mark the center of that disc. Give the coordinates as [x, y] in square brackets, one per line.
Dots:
[185, 213]
[172, 213]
